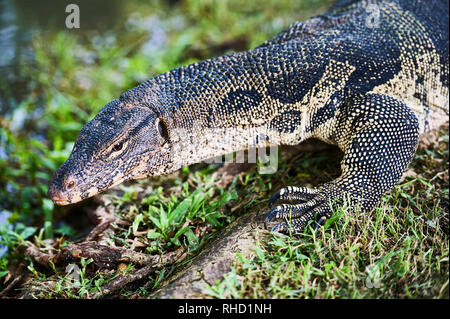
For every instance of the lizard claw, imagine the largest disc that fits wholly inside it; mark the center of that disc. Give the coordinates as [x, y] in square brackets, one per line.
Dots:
[273, 200]
[293, 193]
[297, 216]
[320, 223]
[270, 216]
[280, 228]
[298, 223]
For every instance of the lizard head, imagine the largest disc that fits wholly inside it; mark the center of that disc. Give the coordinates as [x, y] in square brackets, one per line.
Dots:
[124, 141]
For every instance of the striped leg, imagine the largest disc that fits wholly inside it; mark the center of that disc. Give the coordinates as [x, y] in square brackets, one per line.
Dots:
[379, 137]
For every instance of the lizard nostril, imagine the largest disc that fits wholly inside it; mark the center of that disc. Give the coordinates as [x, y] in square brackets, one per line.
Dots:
[70, 184]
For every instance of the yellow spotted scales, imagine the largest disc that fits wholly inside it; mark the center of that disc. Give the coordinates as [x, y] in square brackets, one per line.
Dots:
[367, 76]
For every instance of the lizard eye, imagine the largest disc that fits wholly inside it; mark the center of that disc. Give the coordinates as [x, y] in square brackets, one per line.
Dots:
[162, 129]
[117, 147]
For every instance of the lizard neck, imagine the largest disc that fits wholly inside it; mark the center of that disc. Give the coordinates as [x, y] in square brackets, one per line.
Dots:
[242, 100]
[210, 92]
[216, 107]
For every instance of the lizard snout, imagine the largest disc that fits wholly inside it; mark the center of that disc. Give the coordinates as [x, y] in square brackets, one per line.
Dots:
[60, 188]
[56, 195]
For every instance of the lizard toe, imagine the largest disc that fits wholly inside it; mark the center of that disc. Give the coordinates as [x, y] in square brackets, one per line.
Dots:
[297, 217]
[287, 211]
[282, 228]
[293, 193]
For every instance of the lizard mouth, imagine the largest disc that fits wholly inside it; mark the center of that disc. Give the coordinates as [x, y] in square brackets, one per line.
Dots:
[57, 197]
[60, 202]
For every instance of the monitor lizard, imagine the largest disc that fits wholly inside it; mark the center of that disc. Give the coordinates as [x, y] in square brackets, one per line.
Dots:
[367, 76]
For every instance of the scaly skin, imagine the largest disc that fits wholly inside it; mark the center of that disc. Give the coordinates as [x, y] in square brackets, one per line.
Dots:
[368, 77]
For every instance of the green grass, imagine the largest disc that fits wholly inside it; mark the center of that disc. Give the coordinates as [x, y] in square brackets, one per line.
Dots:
[399, 250]
[162, 219]
[73, 74]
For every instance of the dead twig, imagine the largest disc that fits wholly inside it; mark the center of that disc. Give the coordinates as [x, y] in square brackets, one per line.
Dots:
[20, 274]
[41, 258]
[100, 228]
[157, 263]
[102, 256]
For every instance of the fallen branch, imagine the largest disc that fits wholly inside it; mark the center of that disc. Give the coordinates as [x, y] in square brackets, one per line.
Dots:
[122, 280]
[102, 256]
[105, 257]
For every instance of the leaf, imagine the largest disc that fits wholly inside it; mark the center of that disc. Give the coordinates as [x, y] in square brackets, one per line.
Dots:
[213, 219]
[23, 231]
[156, 222]
[180, 232]
[180, 211]
[48, 224]
[175, 241]
[192, 239]
[198, 199]
[164, 221]
[137, 220]
[259, 252]
[330, 221]
[152, 234]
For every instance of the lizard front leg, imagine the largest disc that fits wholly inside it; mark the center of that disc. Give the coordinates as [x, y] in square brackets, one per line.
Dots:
[379, 136]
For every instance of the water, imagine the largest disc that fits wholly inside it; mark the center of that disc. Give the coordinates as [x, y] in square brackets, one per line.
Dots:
[21, 20]
[4, 215]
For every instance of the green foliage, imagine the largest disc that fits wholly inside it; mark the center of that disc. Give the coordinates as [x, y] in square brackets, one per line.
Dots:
[399, 250]
[74, 74]
[16, 236]
[165, 220]
[354, 259]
